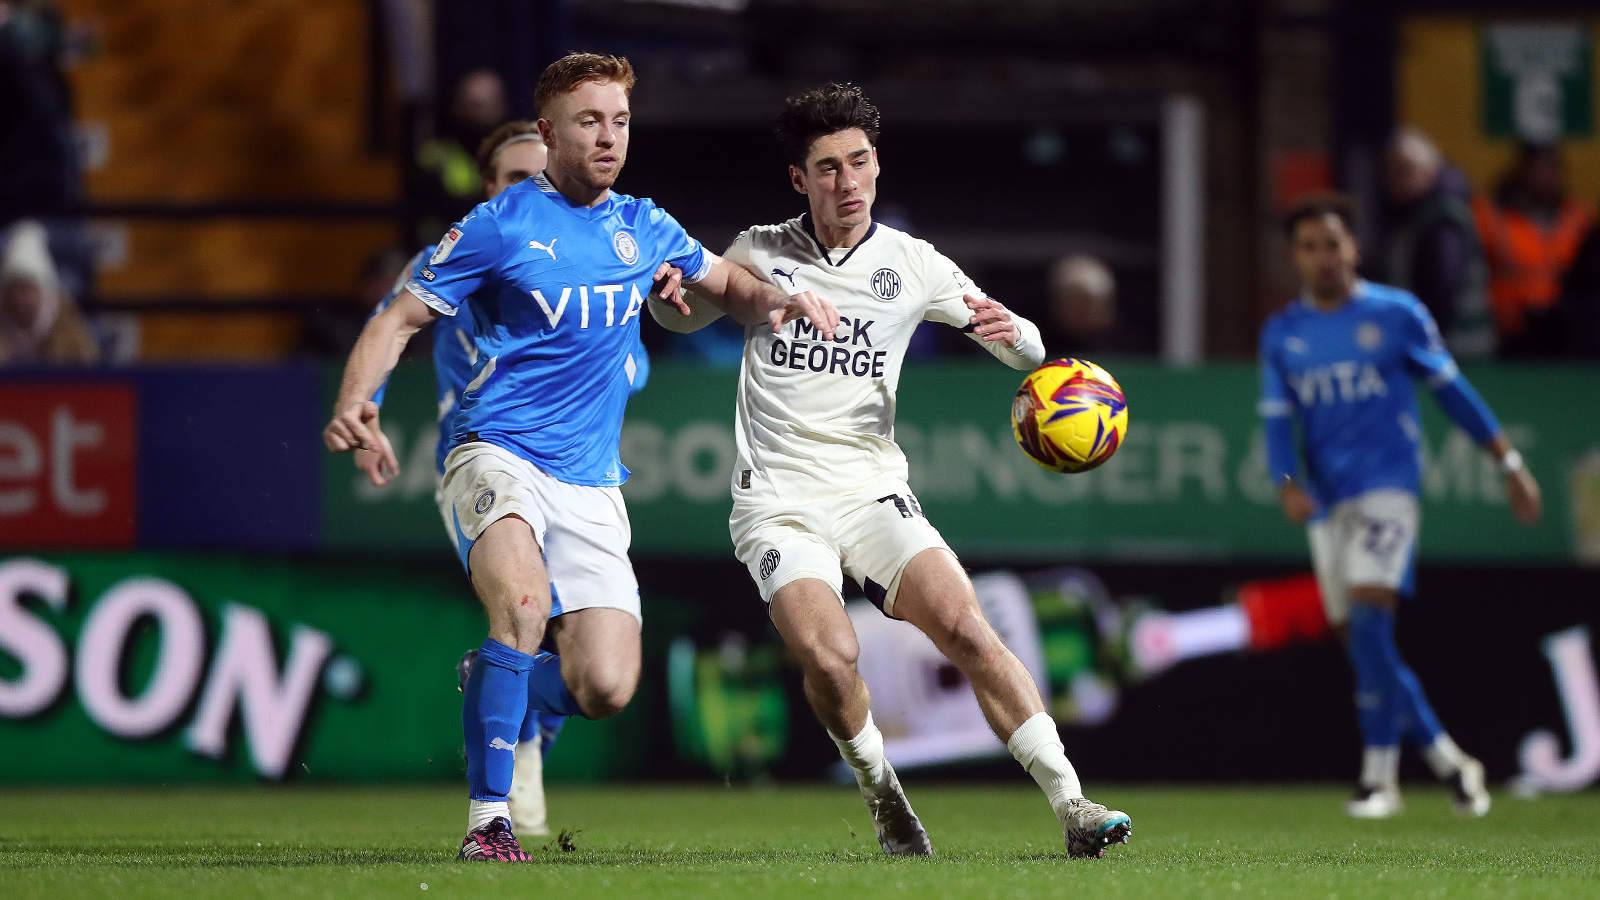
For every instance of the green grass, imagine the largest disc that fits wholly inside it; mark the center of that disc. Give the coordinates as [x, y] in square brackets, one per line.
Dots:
[697, 842]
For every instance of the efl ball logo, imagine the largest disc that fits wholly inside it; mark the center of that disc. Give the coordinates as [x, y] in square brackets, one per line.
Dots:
[627, 248]
[886, 284]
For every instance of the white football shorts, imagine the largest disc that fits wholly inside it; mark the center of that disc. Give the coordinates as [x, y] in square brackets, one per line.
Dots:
[583, 530]
[869, 534]
[1366, 541]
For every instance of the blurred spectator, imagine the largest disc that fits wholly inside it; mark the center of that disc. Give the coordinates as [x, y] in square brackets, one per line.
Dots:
[1083, 306]
[1432, 247]
[1531, 231]
[332, 330]
[39, 321]
[39, 166]
[450, 184]
[1580, 299]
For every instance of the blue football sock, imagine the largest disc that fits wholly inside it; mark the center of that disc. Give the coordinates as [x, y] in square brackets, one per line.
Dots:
[547, 692]
[530, 727]
[1379, 705]
[496, 703]
[550, 726]
[1418, 725]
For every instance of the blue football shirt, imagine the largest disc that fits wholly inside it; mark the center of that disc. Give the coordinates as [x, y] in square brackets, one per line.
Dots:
[1347, 375]
[557, 293]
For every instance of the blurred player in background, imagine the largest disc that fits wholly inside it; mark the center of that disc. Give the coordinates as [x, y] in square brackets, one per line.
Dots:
[1341, 360]
[820, 486]
[556, 270]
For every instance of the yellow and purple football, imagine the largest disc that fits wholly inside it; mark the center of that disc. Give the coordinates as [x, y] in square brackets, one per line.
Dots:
[1069, 415]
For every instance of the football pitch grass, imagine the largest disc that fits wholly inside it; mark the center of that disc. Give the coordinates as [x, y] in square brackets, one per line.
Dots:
[800, 842]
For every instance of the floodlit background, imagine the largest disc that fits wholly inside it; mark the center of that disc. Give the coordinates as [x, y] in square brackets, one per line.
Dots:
[209, 198]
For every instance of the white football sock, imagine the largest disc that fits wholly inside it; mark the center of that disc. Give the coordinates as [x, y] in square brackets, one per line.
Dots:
[1380, 768]
[1444, 757]
[864, 754]
[481, 812]
[1037, 745]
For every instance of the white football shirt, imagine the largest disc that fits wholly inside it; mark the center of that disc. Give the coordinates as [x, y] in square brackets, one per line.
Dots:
[815, 417]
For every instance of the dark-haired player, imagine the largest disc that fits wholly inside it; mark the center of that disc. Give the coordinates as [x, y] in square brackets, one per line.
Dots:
[557, 269]
[1342, 360]
[820, 487]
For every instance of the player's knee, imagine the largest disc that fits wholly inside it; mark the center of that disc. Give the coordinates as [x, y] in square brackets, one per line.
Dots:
[522, 627]
[604, 693]
[832, 658]
[969, 638]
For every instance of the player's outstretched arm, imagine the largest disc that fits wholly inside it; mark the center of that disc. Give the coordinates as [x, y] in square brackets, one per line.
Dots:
[750, 301]
[1012, 339]
[355, 416]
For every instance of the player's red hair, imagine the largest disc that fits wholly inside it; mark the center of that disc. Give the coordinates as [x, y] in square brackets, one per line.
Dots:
[565, 74]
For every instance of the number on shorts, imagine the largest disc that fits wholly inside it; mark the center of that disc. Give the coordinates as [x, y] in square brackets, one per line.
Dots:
[908, 505]
[1384, 537]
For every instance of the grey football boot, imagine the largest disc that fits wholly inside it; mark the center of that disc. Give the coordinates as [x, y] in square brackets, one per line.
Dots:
[1091, 827]
[900, 833]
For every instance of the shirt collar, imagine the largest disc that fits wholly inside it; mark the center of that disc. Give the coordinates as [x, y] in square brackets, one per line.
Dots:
[827, 254]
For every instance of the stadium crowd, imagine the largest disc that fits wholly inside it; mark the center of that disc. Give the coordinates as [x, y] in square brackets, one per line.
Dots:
[1511, 274]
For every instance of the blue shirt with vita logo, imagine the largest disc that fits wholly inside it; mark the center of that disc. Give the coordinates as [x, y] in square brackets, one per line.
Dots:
[557, 294]
[1347, 374]
[454, 354]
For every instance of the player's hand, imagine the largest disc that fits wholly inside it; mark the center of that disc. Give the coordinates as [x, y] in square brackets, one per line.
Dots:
[355, 427]
[669, 287]
[1522, 491]
[806, 305]
[992, 321]
[373, 463]
[1297, 504]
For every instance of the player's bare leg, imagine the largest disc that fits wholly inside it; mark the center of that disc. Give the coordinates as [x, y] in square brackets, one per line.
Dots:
[1387, 688]
[936, 596]
[817, 630]
[509, 576]
[599, 649]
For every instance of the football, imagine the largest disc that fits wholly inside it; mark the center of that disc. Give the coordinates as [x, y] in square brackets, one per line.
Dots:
[1069, 415]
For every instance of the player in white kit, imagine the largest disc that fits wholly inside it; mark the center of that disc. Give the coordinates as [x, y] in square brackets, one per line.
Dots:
[819, 489]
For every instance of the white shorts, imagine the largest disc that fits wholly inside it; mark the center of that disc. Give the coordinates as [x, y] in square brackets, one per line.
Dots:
[1366, 541]
[583, 530]
[870, 534]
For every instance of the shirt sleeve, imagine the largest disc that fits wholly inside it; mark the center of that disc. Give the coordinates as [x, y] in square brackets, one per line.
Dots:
[679, 248]
[948, 288]
[464, 259]
[1277, 412]
[1427, 358]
